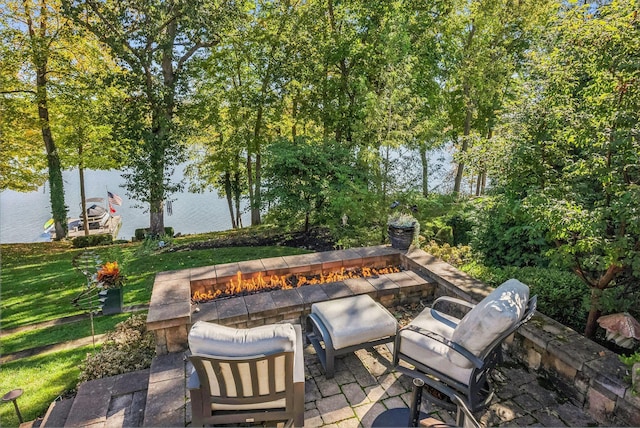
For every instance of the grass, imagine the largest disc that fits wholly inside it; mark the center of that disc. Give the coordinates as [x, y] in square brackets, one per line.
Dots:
[38, 284]
[43, 378]
[36, 338]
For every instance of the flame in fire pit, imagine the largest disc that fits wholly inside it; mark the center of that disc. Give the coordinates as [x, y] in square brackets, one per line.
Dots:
[240, 286]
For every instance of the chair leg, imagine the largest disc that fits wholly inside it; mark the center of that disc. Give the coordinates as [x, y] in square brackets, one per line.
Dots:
[197, 415]
[298, 419]
[416, 401]
[331, 358]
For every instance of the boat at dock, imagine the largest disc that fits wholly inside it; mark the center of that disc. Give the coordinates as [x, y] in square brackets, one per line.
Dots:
[100, 220]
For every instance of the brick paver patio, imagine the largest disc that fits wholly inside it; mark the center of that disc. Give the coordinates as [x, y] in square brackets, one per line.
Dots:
[364, 386]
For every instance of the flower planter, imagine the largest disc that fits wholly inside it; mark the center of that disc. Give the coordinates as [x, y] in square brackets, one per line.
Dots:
[111, 301]
[401, 237]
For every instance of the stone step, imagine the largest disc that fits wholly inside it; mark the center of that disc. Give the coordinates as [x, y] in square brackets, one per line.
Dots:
[57, 413]
[166, 394]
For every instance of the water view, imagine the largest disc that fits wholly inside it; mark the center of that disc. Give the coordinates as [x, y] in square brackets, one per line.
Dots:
[23, 215]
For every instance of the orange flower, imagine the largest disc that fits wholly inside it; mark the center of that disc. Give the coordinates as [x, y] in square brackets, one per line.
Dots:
[109, 275]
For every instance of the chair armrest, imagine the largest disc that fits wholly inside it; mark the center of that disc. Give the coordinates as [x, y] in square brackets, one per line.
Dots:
[298, 356]
[436, 315]
[477, 362]
[449, 392]
[452, 300]
[193, 381]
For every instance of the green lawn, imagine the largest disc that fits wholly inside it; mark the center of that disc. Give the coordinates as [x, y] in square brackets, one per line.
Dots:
[35, 338]
[39, 281]
[43, 378]
[38, 284]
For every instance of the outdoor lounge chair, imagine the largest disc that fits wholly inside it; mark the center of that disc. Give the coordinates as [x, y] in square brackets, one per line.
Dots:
[461, 353]
[246, 375]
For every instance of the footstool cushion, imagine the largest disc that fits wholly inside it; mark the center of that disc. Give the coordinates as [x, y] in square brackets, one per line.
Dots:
[346, 325]
[354, 320]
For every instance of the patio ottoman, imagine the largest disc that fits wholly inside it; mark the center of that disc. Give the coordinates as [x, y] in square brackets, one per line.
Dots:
[346, 325]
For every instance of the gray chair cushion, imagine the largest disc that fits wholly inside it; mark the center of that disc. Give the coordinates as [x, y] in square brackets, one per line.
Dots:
[220, 341]
[489, 319]
[428, 351]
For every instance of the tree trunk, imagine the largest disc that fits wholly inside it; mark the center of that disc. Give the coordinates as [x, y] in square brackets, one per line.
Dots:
[255, 182]
[250, 181]
[468, 113]
[424, 160]
[228, 192]
[237, 191]
[156, 218]
[594, 313]
[255, 211]
[306, 222]
[465, 142]
[40, 58]
[83, 197]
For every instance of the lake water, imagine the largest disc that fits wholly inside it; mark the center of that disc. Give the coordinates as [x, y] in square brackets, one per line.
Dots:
[22, 215]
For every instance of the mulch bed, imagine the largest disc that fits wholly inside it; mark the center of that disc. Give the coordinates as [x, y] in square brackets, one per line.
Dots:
[317, 239]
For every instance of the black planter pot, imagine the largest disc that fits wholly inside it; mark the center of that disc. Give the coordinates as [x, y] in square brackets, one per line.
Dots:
[401, 237]
[111, 301]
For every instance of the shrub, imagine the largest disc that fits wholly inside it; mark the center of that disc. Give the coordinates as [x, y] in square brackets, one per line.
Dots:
[461, 224]
[92, 240]
[143, 233]
[629, 361]
[504, 237]
[128, 348]
[444, 235]
[454, 255]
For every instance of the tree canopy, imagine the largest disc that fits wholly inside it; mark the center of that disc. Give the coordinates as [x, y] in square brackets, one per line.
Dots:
[309, 111]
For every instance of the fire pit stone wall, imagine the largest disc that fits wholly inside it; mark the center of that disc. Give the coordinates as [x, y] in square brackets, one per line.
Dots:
[171, 311]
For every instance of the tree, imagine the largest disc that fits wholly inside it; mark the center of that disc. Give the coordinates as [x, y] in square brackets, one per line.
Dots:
[311, 178]
[575, 162]
[37, 36]
[154, 41]
[484, 46]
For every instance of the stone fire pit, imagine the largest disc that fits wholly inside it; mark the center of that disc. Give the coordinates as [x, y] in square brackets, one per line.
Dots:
[172, 311]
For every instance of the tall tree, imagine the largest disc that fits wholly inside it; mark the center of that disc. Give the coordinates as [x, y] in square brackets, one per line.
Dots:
[244, 79]
[155, 42]
[485, 43]
[36, 32]
[576, 150]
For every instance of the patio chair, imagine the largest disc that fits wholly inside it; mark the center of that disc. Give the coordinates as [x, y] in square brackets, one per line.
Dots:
[246, 375]
[461, 353]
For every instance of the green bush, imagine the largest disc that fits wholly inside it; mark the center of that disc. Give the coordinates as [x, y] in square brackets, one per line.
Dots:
[128, 348]
[561, 294]
[92, 240]
[143, 233]
[454, 255]
[503, 236]
[444, 235]
[462, 224]
[629, 361]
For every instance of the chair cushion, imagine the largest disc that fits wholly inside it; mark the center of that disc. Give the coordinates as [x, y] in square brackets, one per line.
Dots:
[489, 319]
[193, 381]
[355, 320]
[217, 340]
[430, 352]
